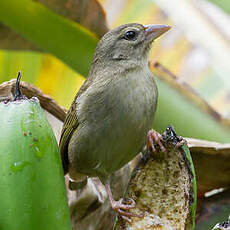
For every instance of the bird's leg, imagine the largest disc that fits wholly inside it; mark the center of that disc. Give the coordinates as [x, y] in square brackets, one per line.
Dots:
[155, 138]
[121, 208]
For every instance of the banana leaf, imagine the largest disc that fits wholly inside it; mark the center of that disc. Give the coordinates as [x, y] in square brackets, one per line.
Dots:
[63, 38]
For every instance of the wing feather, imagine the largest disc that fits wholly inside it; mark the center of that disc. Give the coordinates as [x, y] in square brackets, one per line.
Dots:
[69, 126]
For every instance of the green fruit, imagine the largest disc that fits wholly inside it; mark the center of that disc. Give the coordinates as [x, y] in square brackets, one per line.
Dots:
[32, 190]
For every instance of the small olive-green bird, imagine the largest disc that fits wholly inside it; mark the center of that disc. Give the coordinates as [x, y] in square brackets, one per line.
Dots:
[108, 121]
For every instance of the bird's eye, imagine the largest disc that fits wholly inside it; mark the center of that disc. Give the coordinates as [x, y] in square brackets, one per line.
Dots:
[130, 35]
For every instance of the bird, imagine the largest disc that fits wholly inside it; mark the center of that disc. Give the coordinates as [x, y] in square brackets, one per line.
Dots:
[111, 116]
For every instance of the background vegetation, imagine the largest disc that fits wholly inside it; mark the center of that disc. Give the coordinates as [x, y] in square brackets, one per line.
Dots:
[52, 43]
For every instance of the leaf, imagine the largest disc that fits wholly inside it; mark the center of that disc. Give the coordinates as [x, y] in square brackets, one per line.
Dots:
[212, 164]
[13, 41]
[88, 13]
[63, 38]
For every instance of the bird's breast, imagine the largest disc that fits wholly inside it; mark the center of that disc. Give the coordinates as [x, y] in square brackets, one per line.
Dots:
[114, 120]
[133, 97]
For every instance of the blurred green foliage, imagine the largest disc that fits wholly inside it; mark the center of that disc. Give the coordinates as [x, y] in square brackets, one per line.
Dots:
[223, 4]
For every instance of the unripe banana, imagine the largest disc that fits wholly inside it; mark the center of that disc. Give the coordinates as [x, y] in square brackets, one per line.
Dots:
[32, 190]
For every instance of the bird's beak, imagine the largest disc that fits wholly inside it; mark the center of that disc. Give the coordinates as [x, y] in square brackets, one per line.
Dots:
[154, 31]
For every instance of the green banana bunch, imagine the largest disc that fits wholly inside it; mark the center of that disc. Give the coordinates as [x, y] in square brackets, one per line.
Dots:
[32, 190]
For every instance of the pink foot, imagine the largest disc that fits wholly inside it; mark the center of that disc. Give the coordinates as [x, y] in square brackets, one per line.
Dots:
[155, 138]
[121, 208]
[180, 142]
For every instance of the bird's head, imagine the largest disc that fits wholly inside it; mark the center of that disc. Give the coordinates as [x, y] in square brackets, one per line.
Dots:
[129, 43]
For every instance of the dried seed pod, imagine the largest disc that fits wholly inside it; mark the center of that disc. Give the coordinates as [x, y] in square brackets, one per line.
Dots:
[164, 188]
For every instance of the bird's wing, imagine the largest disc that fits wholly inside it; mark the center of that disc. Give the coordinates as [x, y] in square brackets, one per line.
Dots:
[69, 126]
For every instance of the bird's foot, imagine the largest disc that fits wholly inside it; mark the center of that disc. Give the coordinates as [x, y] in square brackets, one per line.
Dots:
[180, 142]
[122, 208]
[155, 138]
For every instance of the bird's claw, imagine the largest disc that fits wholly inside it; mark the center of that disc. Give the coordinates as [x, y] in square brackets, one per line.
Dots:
[155, 138]
[129, 202]
[180, 142]
[121, 208]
